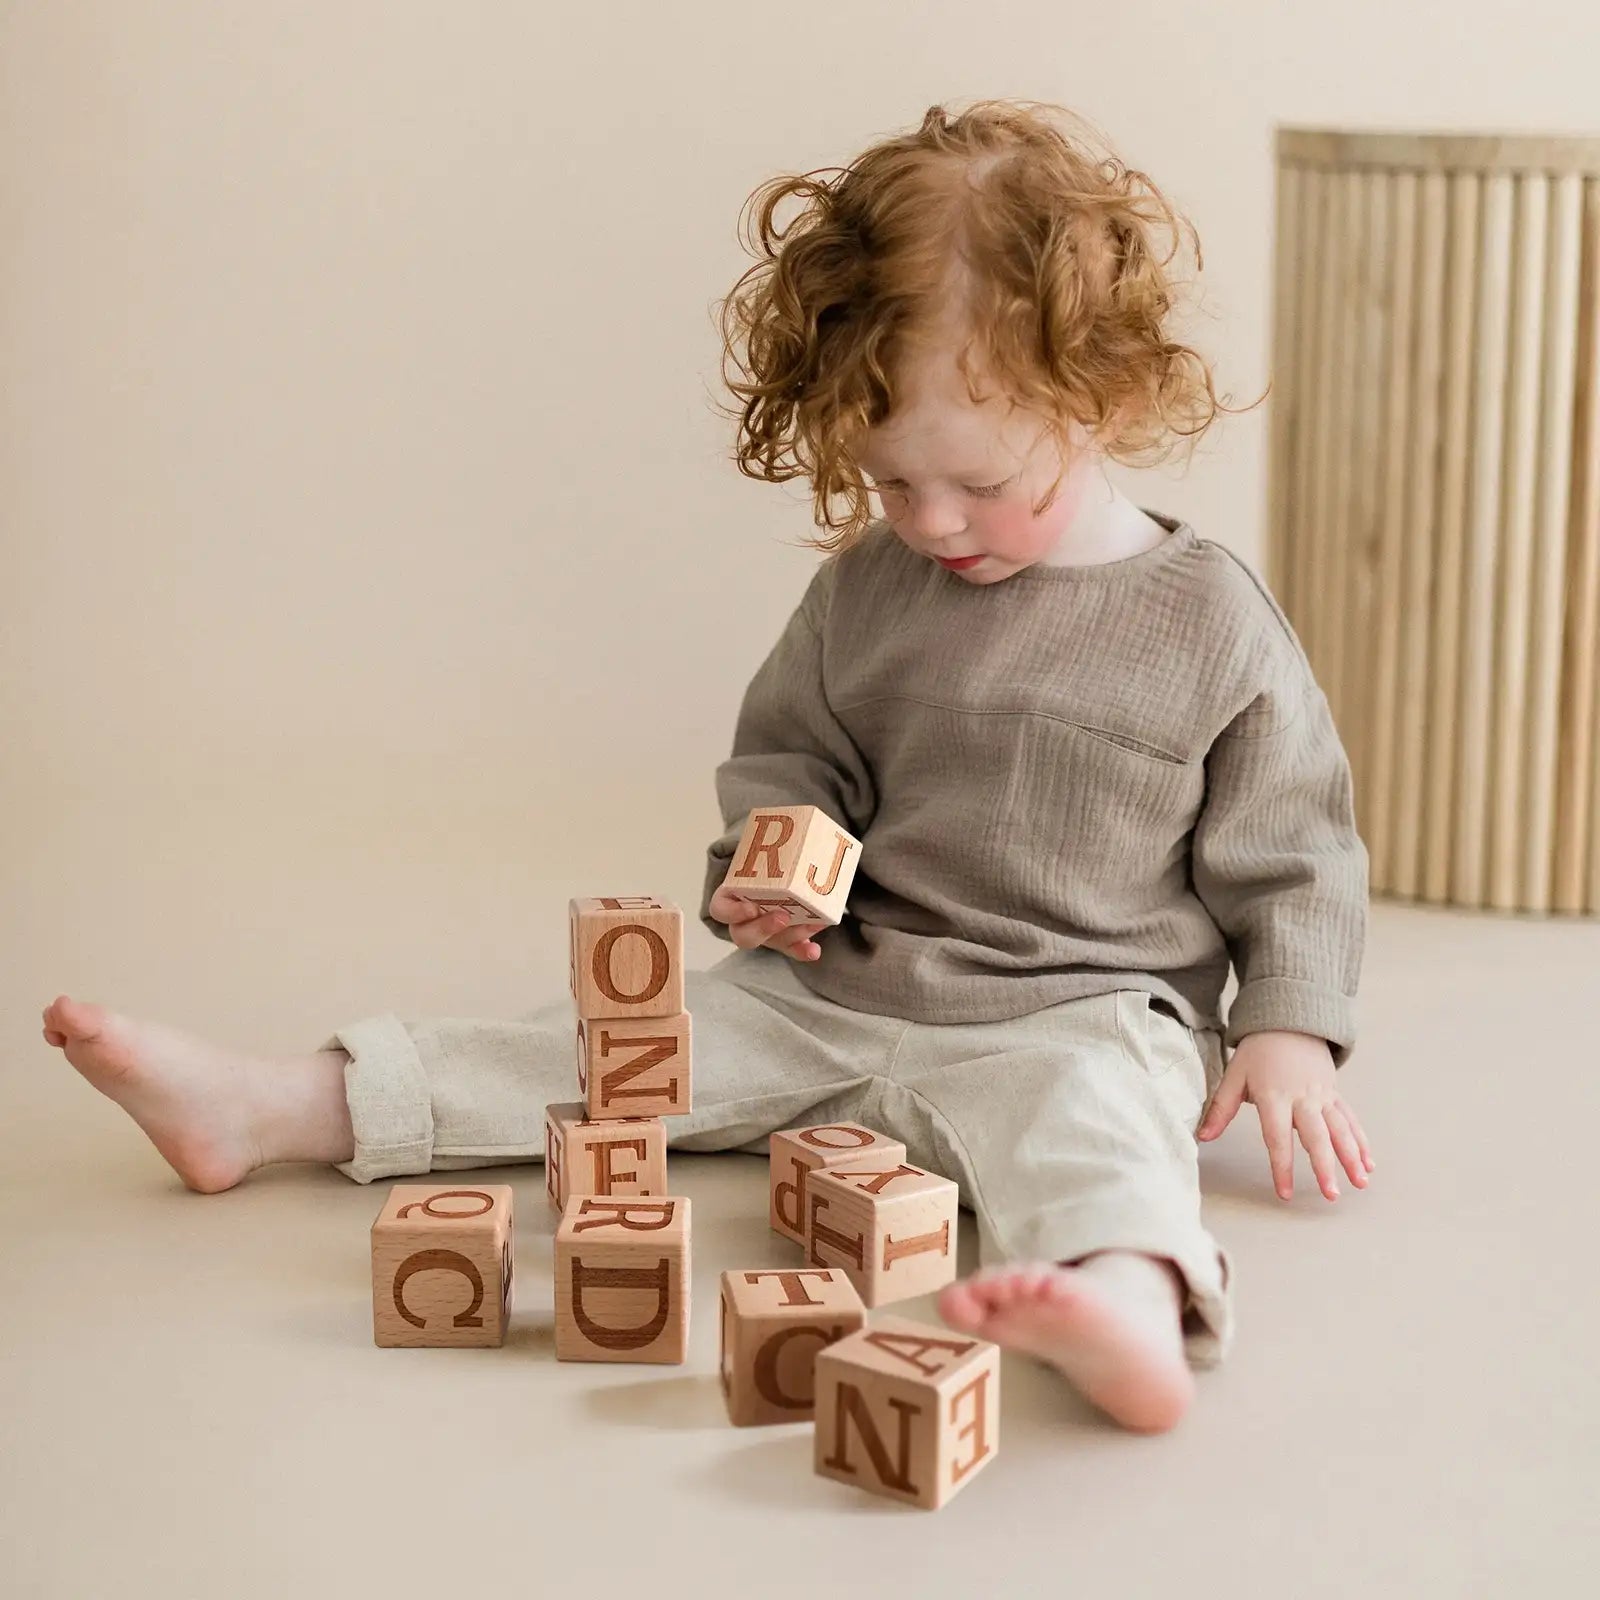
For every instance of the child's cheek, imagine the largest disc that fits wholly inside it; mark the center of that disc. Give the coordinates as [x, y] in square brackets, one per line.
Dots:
[1012, 531]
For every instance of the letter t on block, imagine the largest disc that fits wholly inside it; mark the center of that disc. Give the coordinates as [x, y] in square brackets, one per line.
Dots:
[907, 1411]
[796, 857]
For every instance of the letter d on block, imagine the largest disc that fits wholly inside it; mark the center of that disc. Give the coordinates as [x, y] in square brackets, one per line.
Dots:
[622, 1280]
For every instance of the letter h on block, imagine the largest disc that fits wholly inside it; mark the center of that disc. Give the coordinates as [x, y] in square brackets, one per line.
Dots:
[906, 1413]
[796, 858]
[625, 972]
[622, 1280]
[441, 1265]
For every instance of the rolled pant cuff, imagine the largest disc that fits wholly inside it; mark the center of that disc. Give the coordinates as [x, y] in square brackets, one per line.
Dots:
[391, 1108]
[1207, 1269]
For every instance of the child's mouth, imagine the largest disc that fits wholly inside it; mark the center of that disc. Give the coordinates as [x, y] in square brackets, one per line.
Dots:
[960, 563]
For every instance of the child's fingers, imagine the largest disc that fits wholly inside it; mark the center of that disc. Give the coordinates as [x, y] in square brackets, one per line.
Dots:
[759, 929]
[797, 941]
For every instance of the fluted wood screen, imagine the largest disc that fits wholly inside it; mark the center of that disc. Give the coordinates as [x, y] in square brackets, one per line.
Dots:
[1435, 497]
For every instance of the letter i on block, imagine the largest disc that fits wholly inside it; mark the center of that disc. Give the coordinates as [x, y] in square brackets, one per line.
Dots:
[892, 1228]
[797, 858]
[441, 1265]
[907, 1412]
[798, 1152]
[622, 1280]
[772, 1324]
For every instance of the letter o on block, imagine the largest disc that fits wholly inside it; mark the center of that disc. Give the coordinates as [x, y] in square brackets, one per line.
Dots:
[625, 956]
[906, 1410]
[622, 1280]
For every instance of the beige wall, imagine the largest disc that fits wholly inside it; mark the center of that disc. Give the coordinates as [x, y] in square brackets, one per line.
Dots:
[374, 577]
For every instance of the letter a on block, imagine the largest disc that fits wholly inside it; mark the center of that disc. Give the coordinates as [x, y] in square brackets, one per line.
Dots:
[906, 1413]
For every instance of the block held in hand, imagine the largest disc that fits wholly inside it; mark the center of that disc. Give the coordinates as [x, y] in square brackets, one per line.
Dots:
[795, 857]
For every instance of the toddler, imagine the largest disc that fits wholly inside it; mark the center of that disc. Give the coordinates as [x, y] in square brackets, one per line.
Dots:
[1083, 750]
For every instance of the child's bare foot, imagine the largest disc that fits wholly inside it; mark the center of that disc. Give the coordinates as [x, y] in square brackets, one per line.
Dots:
[215, 1115]
[1111, 1325]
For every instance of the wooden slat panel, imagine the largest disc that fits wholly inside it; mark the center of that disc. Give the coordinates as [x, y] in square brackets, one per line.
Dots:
[1560, 342]
[1508, 589]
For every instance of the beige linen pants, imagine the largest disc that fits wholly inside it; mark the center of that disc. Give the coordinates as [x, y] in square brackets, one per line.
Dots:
[1068, 1130]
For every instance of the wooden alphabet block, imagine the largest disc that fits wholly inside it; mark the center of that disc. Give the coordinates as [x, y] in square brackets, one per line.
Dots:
[441, 1265]
[892, 1227]
[625, 956]
[635, 1066]
[797, 1152]
[622, 1280]
[772, 1324]
[622, 1156]
[907, 1410]
[794, 856]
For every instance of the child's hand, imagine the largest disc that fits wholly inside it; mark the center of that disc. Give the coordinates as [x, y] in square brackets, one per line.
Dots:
[749, 928]
[1289, 1078]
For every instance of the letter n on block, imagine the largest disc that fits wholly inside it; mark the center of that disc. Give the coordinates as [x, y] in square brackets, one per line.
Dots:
[907, 1410]
[622, 1280]
[625, 956]
[796, 857]
[441, 1265]
[635, 1066]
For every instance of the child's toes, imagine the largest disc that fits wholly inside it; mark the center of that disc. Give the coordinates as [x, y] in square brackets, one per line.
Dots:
[962, 1308]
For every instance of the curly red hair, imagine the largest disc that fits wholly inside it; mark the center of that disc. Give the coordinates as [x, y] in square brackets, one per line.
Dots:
[998, 221]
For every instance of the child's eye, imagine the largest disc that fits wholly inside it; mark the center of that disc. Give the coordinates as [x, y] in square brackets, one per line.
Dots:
[990, 490]
[987, 492]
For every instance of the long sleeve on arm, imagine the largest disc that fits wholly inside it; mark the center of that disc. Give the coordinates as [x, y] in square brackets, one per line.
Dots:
[1281, 869]
[788, 747]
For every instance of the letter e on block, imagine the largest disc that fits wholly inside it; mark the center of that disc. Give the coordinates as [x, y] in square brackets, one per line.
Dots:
[771, 1324]
[625, 957]
[907, 1410]
[797, 1152]
[796, 857]
[622, 1280]
[441, 1265]
[624, 1156]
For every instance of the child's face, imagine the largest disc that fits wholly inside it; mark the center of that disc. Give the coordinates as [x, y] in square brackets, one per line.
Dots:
[961, 480]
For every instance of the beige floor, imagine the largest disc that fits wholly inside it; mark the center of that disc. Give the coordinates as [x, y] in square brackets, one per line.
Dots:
[192, 1404]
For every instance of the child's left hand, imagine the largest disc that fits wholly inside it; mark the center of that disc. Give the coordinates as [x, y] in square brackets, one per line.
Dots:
[1289, 1078]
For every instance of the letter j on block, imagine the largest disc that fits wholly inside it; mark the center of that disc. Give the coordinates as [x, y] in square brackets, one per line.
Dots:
[907, 1410]
[795, 857]
[625, 956]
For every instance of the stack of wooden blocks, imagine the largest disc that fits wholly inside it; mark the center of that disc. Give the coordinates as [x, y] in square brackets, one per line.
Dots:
[900, 1408]
[622, 1254]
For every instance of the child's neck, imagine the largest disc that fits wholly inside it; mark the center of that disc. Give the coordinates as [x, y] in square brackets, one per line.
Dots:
[1108, 527]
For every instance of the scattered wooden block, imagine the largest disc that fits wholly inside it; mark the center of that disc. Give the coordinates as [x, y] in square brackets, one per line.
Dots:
[619, 1157]
[625, 956]
[772, 1324]
[907, 1410]
[796, 1152]
[622, 1280]
[797, 857]
[891, 1226]
[441, 1265]
[635, 1066]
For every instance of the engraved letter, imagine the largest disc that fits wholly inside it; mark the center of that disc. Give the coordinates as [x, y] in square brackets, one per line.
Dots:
[938, 1240]
[622, 1211]
[854, 1247]
[657, 1277]
[980, 1416]
[445, 1261]
[660, 964]
[654, 1050]
[851, 1404]
[760, 845]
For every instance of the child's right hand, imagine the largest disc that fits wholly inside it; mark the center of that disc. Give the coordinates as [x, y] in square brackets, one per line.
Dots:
[748, 927]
